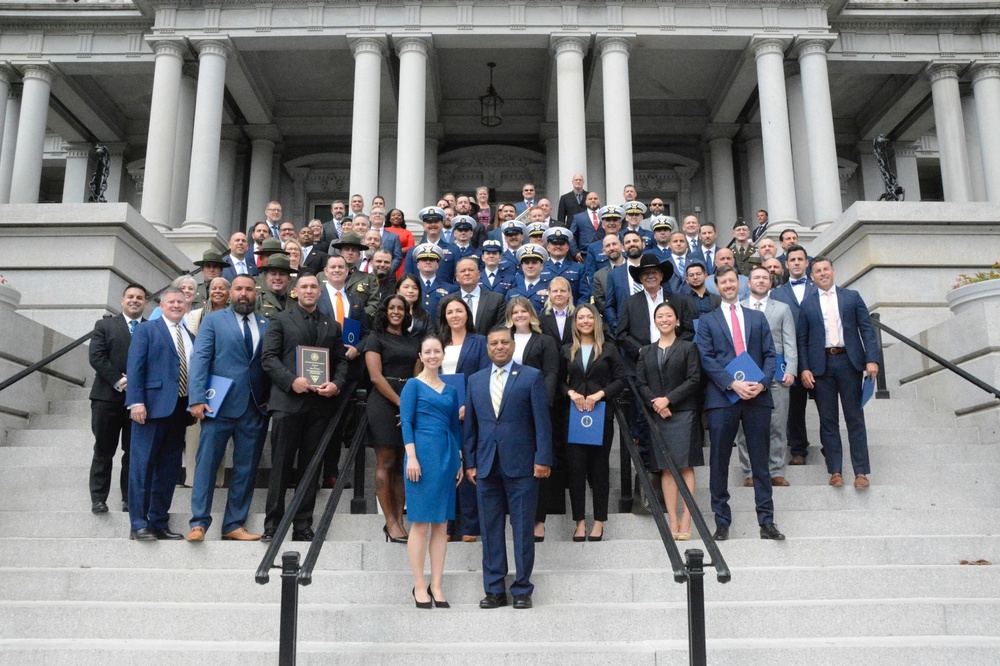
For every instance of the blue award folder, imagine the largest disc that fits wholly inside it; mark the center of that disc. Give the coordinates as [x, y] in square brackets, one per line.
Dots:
[586, 427]
[352, 331]
[867, 390]
[457, 382]
[218, 388]
[779, 373]
[743, 369]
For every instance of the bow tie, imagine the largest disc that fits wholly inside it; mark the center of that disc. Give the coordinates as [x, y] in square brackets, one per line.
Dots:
[797, 282]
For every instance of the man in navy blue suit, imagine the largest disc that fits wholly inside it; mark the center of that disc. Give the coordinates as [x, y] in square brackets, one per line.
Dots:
[792, 293]
[528, 192]
[837, 347]
[157, 398]
[587, 227]
[228, 345]
[723, 335]
[238, 262]
[507, 448]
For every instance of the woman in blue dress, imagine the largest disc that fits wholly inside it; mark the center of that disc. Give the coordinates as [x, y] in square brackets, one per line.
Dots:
[429, 412]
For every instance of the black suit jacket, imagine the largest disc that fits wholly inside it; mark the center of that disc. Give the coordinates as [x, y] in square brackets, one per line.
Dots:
[542, 354]
[551, 329]
[316, 261]
[491, 310]
[679, 380]
[109, 357]
[286, 331]
[633, 324]
[605, 373]
[568, 207]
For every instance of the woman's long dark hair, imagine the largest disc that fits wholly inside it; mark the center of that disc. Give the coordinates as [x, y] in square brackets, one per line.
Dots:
[443, 327]
[381, 323]
[388, 217]
[417, 309]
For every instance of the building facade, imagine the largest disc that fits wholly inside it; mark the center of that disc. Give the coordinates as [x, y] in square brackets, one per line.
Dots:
[209, 109]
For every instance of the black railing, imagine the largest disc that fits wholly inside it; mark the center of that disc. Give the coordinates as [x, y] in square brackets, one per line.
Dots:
[690, 570]
[943, 362]
[292, 574]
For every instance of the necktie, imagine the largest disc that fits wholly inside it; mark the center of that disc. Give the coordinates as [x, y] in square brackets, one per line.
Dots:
[274, 231]
[558, 265]
[241, 268]
[468, 298]
[427, 286]
[247, 338]
[593, 218]
[636, 287]
[579, 198]
[756, 306]
[797, 282]
[680, 263]
[340, 309]
[832, 321]
[131, 326]
[737, 331]
[257, 256]
[496, 390]
[182, 382]
[708, 260]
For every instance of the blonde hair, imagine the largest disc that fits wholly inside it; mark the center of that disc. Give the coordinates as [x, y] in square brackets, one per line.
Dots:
[598, 331]
[564, 283]
[526, 304]
[296, 244]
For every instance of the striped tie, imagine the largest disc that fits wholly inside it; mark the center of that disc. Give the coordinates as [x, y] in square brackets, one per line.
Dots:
[496, 391]
[636, 287]
[182, 383]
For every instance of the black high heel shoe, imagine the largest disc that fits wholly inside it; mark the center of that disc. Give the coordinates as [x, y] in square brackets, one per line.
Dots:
[437, 604]
[392, 539]
[421, 604]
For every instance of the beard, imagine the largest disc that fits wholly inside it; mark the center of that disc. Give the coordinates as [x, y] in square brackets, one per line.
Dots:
[243, 307]
[633, 252]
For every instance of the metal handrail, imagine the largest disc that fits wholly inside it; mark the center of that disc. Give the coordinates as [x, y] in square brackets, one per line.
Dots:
[972, 379]
[308, 477]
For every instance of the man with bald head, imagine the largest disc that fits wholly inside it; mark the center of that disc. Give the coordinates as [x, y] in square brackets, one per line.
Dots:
[725, 257]
[238, 261]
[572, 202]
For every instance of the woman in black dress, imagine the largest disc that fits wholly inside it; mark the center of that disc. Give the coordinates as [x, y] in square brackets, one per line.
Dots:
[391, 357]
[421, 325]
[594, 373]
[668, 377]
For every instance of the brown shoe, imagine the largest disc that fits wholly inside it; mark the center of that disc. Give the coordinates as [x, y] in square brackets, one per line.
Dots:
[836, 480]
[748, 482]
[797, 460]
[196, 534]
[240, 534]
[861, 481]
[780, 481]
[470, 539]
[329, 482]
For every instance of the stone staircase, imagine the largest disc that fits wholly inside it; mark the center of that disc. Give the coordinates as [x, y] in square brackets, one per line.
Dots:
[873, 574]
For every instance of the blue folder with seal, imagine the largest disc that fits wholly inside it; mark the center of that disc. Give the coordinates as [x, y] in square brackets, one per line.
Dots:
[218, 388]
[867, 390]
[457, 382]
[352, 331]
[743, 369]
[586, 427]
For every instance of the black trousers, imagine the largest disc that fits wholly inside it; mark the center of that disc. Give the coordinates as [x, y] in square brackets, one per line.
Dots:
[109, 422]
[292, 434]
[798, 398]
[591, 463]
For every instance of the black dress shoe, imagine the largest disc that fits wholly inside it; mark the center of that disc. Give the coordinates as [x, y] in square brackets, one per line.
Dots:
[167, 535]
[268, 535]
[99, 507]
[721, 533]
[492, 600]
[305, 534]
[522, 601]
[143, 534]
[770, 531]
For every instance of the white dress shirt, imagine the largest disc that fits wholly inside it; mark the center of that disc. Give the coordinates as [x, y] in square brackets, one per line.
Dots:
[651, 303]
[729, 323]
[254, 332]
[830, 306]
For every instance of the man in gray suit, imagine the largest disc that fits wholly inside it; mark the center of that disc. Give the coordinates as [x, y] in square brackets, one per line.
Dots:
[779, 317]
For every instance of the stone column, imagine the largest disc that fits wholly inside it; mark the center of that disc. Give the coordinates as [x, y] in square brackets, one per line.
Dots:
[977, 181]
[262, 141]
[778, 173]
[387, 164]
[431, 193]
[950, 131]
[11, 120]
[202, 188]
[822, 143]
[614, 52]
[550, 139]
[368, 53]
[27, 174]
[411, 145]
[798, 132]
[162, 133]
[75, 181]
[7, 76]
[227, 181]
[684, 204]
[116, 171]
[596, 180]
[569, 51]
[986, 88]
[753, 139]
[183, 137]
[906, 170]
[720, 144]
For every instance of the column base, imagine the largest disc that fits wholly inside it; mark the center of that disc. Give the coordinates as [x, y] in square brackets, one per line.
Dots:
[194, 239]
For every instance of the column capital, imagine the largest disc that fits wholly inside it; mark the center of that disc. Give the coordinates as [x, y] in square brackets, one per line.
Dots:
[810, 44]
[615, 43]
[937, 70]
[764, 44]
[263, 133]
[568, 42]
[720, 131]
[76, 150]
[173, 47]
[42, 71]
[219, 47]
[418, 43]
[365, 43]
[985, 69]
